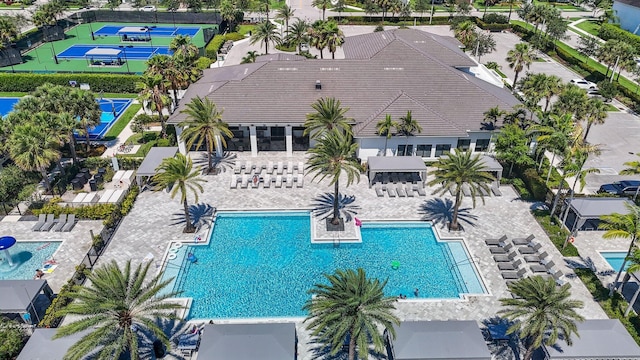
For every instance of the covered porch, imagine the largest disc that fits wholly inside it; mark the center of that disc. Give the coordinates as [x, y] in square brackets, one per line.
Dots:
[385, 169]
[27, 299]
[493, 166]
[584, 213]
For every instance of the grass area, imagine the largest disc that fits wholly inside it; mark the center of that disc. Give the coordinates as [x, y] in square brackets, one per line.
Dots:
[122, 122]
[612, 108]
[557, 234]
[561, 6]
[479, 5]
[589, 26]
[613, 306]
[244, 29]
[151, 140]
[349, 10]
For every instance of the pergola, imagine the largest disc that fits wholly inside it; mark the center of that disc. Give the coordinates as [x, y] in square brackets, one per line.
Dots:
[134, 33]
[396, 164]
[20, 297]
[42, 346]
[152, 160]
[270, 341]
[102, 55]
[492, 165]
[585, 213]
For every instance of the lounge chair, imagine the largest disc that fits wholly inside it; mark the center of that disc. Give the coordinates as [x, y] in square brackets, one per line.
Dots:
[300, 180]
[557, 275]
[466, 190]
[62, 220]
[400, 190]
[234, 182]
[280, 168]
[270, 167]
[244, 181]
[385, 178]
[513, 274]
[41, 220]
[496, 242]
[495, 189]
[248, 167]
[530, 249]
[391, 192]
[420, 190]
[510, 265]
[537, 268]
[505, 258]
[524, 241]
[71, 222]
[549, 265]
[300, 167]
[409, 191]
[237, 168]
[379, 191]
[289, 181]
[267, 181]
[49, 223]
[279, 181]
[544, 258]
[501, 250]
[290, 167]
[483, 191]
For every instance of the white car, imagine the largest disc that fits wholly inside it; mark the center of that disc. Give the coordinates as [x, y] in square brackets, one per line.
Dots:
[148, 8]
[584, 84]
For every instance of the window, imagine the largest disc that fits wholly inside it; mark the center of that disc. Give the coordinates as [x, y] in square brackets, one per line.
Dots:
[423, 151]
[441, 149]
[482, 145]
[464, 144]
[405, 150]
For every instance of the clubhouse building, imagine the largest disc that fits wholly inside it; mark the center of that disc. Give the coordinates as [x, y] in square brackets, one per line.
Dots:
[389, 72]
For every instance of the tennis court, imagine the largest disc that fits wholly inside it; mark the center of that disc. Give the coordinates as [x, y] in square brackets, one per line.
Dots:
[125, 52]
[160, 31]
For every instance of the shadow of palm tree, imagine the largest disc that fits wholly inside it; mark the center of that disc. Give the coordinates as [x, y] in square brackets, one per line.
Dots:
[219, 164]
[200, 214]
[508, 348]
[586, 263]
[322, 351]
[323, 206]
[440, 211]
[150, 348]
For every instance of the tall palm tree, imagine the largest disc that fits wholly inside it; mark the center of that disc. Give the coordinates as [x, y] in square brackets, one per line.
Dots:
[409, 126]
[184, 49]
[266, 32]
[519, 58]
[352, 307]
[115, 304]
[318, 36]
[179, 173]
[297, 34]
[632, 169]
[321, 4]
[285, 13]
[204, 124]
[250, 57]
[152, 94]
[554, 133]
[385, 128]
[625, 226]
[571, 100]
[454, 170]
[595, 114]
[67, 124]
[84, 106]
[465, 32]
[334, 36]
[333, 155]
[33, 148]
[541, 312]
[545, 86]
[329, 115]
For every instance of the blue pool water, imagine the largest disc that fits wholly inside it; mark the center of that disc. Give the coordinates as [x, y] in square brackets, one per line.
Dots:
[27, 257]
[111, 110]
[614, 258]
[263, 264]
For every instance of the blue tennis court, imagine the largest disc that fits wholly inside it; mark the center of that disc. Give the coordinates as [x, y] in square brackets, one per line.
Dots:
[126, 53]
[160, 31]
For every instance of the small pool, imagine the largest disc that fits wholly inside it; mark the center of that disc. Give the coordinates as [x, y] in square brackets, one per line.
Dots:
[614, 258]
[261, 264]
[111, 110]
[27, 257]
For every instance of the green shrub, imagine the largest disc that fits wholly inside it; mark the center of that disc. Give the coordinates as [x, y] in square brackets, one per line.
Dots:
[94, 163]
[612, 31]
[90, 212]
[61, 300]
[233, 36]
[557, 234]
[203, 62]
[98, 82]
[212, 48]
[494, 18]
[519, 185]
[378, 28]
[286, 47]
[128, 201]
[535, 184]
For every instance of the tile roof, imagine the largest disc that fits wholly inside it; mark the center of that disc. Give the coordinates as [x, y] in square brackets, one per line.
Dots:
[398, 77]
[280, 57]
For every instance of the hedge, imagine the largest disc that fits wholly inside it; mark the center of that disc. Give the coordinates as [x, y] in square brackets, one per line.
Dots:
[611, 31]
[91, 212]
[375, 20]
[493, 27]
[212, 48]
[98, 82]
[535, 184]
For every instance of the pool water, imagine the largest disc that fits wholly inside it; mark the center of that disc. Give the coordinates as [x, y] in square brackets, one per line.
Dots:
[262, 264]
[27, 258]
[614, 258]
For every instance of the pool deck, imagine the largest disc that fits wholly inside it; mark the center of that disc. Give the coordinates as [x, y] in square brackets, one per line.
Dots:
[156, 219]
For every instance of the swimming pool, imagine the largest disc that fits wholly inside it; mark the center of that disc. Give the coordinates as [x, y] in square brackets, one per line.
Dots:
[111, 110]
[27, 256]
[614, 258]
[261, 264]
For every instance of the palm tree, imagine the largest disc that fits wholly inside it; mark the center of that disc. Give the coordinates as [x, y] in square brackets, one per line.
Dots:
[184, 49]
[84, 106]
[352, 307]
[571, 100]
[384, 128]
[152, 94]
[334, 36]
[454, 170]
[179, 173]
[266, 32]
[553, 134]
[625, 226]
[408, 126]
[519, 58]
[321, 4]
[285, 13]
[543, 85]
[329, 115]
[491, 117]
[542, 312]
[334, 154]
[115, 304]
[596, 113]
[250, 57]
[297, 34]
[465, 32]
[632, 169]
[204, 124]
[318, 36]
[33, 148]
[67, 124]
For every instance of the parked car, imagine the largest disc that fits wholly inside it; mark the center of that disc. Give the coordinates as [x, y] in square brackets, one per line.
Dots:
[596, 94]
[624, 187]
[148, 8]
[584, 84]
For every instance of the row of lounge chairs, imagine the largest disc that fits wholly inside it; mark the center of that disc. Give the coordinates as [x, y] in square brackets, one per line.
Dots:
[400, 190]
[47, 222]
[396, 178]
[279, 168]
[248, 181]
[510, 261]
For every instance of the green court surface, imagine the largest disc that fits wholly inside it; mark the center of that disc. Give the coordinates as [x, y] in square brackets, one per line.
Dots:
[41, 59]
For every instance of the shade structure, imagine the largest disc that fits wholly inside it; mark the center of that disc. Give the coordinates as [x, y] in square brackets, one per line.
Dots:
[389, 164]
[271, 341]
[492, 165]
[153, 160]
[41, 345]
[427, 340]
[7, 242]
[19, 296]
[585, 213]
[103, 52]
[599, 339]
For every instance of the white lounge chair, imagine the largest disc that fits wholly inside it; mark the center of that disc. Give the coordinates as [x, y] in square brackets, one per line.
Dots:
[409, 191]
[300, 180]
[234, 182]
[62, 220]
[300, 167]
[279, 181]
[245, 182]
[49, 223]
[391, 192]
[237, 168]
[266, 183]
[280, 168]
[270, 167]
[379, 191]
[248, 167]
[400, 190]
[289, 181]
[290, 167]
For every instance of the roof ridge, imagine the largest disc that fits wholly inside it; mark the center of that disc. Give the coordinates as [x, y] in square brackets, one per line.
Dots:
[440, 116]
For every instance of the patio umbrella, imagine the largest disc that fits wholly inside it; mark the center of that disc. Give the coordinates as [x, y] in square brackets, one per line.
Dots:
[5, 243]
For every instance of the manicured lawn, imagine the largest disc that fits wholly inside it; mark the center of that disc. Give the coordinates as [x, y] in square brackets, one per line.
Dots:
[479, 5]
[562, 6]
[122, 122]
[612, 108]
[589, 26]
[244, 29]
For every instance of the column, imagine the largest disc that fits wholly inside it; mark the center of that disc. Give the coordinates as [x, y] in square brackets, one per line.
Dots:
[181, 146]
[218, 147]
[254, 140]
[288, 132]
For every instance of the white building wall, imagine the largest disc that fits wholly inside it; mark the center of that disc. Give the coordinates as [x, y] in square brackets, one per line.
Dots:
[374, 146]
[629, 16]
